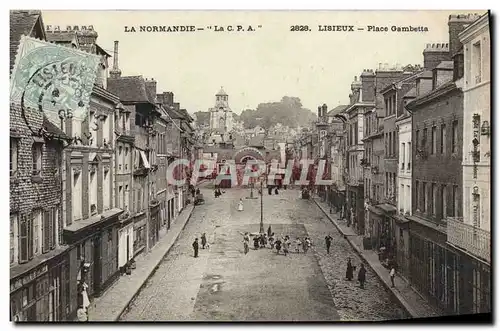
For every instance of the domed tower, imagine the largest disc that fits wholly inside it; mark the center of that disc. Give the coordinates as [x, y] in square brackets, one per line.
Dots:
[221, 116]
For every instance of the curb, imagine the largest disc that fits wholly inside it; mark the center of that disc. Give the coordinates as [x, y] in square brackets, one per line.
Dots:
[358, 250]
[151, 274]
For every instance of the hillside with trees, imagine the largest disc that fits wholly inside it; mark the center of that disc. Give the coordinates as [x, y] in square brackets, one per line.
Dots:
[289, 112]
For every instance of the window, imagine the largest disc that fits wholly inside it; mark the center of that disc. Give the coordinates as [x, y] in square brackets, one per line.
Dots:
[126, 162]
[443, 139]
[390, 144]
[408, 198]
[37, 232]
[105, 190]
[455, 201]
[402, 153]
[409, 156]
[402, 197]
[25, 238]
[454, 133]
[93, 191]
[433, 199]
[476, 59]
[417, 138]
[394, 144]
[443, 202]
[120, 158]
[36, 151]
[424, 197]
[417, 194]
[13, 156]
[386, 183]
[424, 140]
[120, 196]
[433, 140]
[49, 229]
[13, 238]
[127, 193]
[76, 195]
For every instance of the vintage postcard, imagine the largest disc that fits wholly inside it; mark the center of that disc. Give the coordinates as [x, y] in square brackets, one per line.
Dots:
[250, 166]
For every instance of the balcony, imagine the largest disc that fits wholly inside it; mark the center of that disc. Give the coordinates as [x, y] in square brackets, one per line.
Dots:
[125, 135]
[469, 238]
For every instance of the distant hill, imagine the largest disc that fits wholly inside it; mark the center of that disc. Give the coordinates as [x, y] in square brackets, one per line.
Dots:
[289, 112]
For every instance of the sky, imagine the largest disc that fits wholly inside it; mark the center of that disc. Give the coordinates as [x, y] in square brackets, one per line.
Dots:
[260, 66]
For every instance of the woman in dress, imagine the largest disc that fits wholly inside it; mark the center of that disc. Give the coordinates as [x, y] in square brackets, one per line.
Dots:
[350, 270]
[240, 205]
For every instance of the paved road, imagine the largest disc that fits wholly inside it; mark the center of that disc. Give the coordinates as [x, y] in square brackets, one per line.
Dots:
[223, 284]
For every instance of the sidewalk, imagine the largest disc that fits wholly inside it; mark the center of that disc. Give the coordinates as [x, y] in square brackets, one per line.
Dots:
[413, 303]
[111, 305]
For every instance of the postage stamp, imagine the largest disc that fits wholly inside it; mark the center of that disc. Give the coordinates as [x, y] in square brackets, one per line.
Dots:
[53, 78]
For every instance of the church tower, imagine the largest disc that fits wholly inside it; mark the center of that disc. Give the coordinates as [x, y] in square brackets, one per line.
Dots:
[221, 115]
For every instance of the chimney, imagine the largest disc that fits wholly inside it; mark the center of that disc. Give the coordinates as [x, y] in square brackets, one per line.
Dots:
[368, 86]
[457, 24]
[151, 89]
[115, 72]
[319, 112]
[434, 54]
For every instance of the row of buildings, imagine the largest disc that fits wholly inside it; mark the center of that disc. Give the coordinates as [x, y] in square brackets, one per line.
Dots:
[410, 159]
[87, 197]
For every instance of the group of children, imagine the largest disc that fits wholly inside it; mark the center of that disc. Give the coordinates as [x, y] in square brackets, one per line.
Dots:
[281, 243]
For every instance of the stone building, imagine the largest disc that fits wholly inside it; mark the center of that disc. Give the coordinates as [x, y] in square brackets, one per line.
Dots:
[221, 115]
[362, 98]
[143, 113]
[40, 286]
[443, 274]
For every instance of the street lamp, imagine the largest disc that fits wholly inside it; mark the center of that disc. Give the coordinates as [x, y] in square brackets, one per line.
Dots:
[261, 208]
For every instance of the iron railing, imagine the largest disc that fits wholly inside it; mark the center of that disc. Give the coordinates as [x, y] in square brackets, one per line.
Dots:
[474, 240]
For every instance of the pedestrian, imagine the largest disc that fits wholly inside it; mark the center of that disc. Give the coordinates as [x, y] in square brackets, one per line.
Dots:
[308, 243]
[270, 190]
[261, 240]
[256, 242]
[195, 247]
[203, 240]
[286, 245]
[362, 276]
[278, 245]
[304, 245]
[240, 205]
[264, 239]
[246, 243]
[197, 191]
[269, 232]
[298, 245]
[276, 191]
[271, 240]
[350, 270]
[328, 241]
[392, 274]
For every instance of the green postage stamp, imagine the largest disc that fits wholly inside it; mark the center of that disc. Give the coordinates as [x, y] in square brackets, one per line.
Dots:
[54, 79]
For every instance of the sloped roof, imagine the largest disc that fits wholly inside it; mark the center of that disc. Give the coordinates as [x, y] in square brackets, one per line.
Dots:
[22, 22]
[447, 65]
[53, 129]
[129, 89]
[62, 36]
[337, 110]
[221, 92]
[412, 93]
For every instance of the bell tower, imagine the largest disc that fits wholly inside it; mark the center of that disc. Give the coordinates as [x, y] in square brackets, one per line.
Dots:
[221, 116]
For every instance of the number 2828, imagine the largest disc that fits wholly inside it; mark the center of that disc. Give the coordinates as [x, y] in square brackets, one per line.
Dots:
[299, 28]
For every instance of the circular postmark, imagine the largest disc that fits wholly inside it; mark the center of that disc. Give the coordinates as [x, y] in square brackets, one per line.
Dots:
[55, 80]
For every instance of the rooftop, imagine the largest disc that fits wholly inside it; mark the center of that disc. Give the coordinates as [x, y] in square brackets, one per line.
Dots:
[129, 89]
[22, 22]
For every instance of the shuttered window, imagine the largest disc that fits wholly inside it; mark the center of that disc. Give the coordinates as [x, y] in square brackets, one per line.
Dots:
[26, 238]
[49, 229]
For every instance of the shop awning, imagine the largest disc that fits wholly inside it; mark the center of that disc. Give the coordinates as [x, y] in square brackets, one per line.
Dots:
[387, 208]
[145, 160]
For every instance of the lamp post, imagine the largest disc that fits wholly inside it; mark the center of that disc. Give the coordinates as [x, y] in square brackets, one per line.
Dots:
[261, 208]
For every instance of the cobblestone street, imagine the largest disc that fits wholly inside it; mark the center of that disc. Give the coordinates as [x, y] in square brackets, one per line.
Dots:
[225, 284]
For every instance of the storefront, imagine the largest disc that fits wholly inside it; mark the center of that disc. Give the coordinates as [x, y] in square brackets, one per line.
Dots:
[154, 226]
[453, 281]
[139, 233]
[93, 257]
[40, 293]
[356, 209]
[125, 243]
